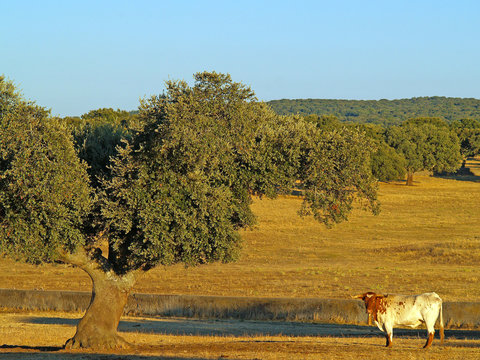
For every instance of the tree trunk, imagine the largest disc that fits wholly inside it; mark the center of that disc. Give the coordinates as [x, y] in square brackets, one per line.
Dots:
[409, 178]
[98, 327]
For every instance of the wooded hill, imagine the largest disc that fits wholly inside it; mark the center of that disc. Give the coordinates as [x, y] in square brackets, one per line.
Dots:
[383, 112]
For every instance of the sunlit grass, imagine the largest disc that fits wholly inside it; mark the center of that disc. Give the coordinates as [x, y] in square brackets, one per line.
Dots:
[37, 335]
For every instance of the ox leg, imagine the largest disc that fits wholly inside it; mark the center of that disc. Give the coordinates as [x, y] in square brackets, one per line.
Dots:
[431, 333]
[429, 339]
[389, 335]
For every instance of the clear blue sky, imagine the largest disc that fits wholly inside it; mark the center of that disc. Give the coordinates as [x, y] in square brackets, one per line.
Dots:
[75, 56]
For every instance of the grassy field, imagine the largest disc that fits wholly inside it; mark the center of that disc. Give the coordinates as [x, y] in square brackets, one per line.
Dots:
[41, 335]
[427, 238]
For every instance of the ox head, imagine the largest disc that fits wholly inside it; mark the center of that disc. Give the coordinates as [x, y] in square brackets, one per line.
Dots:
[371, 301]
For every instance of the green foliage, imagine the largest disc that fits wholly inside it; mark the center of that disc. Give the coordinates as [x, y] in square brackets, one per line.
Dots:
[387, 164]
[372, 131]
[336, 172]
[468, 132]
[465, 124]
[418, 121]
[425, 146]
[382, 112]
[97, 145]
[122, 118]
[97, 134]
[9, 97]
[100, 117]
[325, 122]
[44, 193]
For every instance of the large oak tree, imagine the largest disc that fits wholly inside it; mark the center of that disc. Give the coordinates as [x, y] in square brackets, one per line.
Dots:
[177, 190]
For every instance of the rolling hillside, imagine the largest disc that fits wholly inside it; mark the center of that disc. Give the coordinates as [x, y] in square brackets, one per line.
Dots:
[383, 112]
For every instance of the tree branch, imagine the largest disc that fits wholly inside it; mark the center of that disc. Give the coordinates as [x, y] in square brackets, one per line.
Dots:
[97, 266]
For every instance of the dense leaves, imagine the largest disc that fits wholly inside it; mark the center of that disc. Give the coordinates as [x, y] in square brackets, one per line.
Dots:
[44, 193]
[336, 171]
[96, 144]
[183, 189]
[97, 134]
[388, 164]
[425, 146]
[468, 132]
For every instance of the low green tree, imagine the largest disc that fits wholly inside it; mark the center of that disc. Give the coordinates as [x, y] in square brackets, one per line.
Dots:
[387, 163]
[336, 171]
[178, 190]
[425, 146]
[468, 132]
[44, 194]
[325, 122]
[423, 120]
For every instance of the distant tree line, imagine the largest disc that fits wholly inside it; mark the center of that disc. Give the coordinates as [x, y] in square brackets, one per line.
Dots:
[383, 112]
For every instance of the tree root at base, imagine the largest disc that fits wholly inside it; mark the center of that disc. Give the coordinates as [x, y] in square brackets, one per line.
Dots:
[106, 342]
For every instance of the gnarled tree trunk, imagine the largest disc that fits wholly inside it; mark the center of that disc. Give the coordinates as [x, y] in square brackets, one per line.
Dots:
[98, 327]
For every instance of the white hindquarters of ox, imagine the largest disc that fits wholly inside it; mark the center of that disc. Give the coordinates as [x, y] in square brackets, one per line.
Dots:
[389, 311]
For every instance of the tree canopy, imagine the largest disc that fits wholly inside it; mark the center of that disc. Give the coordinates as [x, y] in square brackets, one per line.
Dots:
[387, 163]
[468, 132]
[425, 146]
[44, 195]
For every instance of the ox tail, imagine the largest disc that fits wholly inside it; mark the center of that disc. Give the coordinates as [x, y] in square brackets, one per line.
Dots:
[442, 335]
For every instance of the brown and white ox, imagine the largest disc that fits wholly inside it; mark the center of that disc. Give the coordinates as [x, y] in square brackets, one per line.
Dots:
[389, 311]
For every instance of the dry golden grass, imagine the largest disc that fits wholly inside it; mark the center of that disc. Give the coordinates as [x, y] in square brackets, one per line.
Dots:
[42, 334]
[427, 238]
[274, 348]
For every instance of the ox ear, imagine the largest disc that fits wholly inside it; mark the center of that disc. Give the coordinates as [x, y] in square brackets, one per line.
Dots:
[358, 296]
